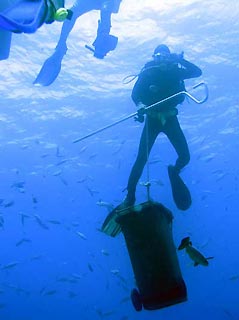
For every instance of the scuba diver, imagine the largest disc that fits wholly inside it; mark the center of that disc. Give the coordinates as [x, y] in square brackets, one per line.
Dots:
[26, 16]
[159, 79]
[103, 43]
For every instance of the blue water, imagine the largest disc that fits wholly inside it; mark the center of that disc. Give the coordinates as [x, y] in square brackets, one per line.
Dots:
[54, 262]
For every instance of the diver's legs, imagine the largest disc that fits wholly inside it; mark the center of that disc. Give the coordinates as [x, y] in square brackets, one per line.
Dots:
[180, 191]
[79, 8]
[176, 136]
[52, 66]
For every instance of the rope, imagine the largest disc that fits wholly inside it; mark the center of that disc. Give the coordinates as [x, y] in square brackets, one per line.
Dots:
[147, 163]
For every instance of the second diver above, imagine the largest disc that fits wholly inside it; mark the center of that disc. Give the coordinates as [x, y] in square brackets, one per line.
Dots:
[102, 45]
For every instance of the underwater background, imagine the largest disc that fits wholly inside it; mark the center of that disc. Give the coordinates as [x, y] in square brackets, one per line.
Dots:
[54, 261]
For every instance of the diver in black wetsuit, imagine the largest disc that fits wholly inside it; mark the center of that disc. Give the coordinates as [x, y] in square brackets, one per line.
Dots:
[159, 79]
[103, 44]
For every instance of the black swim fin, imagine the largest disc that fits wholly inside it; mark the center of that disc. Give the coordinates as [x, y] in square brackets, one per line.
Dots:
[180, 191]
[110, 225]
[50, 69]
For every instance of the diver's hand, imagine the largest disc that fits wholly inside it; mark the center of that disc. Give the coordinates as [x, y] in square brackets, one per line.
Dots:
[139, 118]
[140, 113]
[176, 57]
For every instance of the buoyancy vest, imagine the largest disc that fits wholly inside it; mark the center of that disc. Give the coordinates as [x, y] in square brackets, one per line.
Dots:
[158, 81]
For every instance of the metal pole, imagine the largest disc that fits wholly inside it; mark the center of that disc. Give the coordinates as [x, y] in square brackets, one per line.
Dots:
[149, 107]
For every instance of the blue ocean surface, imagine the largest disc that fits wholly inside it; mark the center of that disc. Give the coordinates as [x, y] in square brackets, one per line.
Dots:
[54, 261]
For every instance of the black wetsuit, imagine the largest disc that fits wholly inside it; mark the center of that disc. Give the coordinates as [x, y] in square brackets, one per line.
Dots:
[105, 42]
[107, 7]
[157, 81]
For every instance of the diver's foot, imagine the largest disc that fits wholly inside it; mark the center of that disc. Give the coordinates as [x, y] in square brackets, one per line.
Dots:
[111, 226]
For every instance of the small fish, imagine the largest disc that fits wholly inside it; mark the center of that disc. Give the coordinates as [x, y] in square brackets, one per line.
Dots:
[44, 155]
[39, 221]
[92, 192]
[81, 235]
[193, 253]
[72, 294]
[115, 271]
[1, 221]
[118, 149]
[92, 156]
[83, 149]
[19, 186]
[104, 252]
[208, 157]
[81, 180]
[235, 277]
[54, 221]
[19, 289]
[107, 205]
[153, 161]
[49, 293]
[37, 257]
[10, 265]
[145, 184]
[90, 267]
[63, 181]
[157, 182]
[57, 173]
[23, 240]
[62, 162]
[76, 276]
[9, 204]
[34, 199]
[58, 154]
[108, 313]
[63, 279]
[122, 279]
[75, 224]
[23, 218]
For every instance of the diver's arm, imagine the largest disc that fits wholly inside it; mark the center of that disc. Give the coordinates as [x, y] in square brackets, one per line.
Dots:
[65, 31]
[190, 70]
[135, 95]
